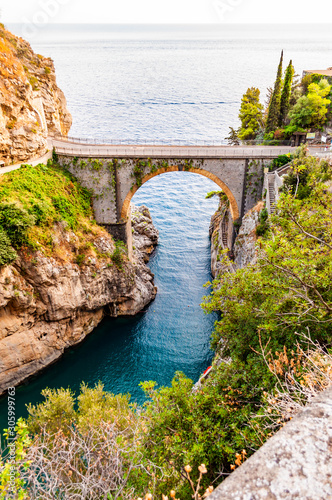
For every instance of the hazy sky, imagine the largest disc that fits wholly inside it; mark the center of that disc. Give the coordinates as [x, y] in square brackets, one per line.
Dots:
[166, 11]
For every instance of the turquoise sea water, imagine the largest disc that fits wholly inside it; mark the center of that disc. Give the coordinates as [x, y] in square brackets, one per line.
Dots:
[153, 84]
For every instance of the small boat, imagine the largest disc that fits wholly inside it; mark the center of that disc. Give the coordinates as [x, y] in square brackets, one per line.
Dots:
[207, 370]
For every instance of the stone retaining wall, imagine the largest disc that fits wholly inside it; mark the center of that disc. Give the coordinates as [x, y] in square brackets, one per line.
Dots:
[296, 463]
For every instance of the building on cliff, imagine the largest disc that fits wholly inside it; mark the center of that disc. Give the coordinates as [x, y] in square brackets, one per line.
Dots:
[323, 72]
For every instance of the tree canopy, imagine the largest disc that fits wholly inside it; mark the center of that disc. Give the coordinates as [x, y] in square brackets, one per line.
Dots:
[286, 94]
[251, 114]
[273, 114]
[311, 109]
[291, 106]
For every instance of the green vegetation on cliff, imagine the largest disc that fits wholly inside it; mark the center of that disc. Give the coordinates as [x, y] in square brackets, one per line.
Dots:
[288, 290]
[38, 207]
[32, 200]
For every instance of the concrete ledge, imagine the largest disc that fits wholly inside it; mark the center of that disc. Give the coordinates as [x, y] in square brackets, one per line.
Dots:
[32, 162]
[295, 463]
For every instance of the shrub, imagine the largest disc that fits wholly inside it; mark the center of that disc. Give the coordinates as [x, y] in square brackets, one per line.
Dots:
[279, 134]
[84, 447]
[281, 160]
[311, 109]
[42, 211]
[15, 221]
[80, 259]
[213, 193]
[7, 253]
[65, 210]
[263, 223]
[296, 181]
[55, 157]
[210, 423]
[11, 123]
[34, 83]
[119, 253]
[290, 129]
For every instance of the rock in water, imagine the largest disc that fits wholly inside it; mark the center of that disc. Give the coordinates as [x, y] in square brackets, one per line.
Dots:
[145, 235]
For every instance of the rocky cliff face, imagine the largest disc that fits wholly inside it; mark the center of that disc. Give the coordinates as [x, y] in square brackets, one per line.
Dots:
[145, 235]
[243, 251]
[221, 234]
[47, 305]
[31, 104]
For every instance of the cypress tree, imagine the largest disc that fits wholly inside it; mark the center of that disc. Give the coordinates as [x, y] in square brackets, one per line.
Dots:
[286, 94]
[274, 108]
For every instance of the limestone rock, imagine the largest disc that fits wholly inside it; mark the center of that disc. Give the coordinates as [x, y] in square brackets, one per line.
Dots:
[47, 305]
[243, 251]
[245, 244]
[145, 235]
[295, 463]
[31, 104]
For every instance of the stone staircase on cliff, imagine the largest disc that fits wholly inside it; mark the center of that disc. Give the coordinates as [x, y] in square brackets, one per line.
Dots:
[272, 194]
[224, 231]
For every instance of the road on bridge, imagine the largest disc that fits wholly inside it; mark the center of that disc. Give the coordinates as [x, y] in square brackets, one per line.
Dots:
[154, 151]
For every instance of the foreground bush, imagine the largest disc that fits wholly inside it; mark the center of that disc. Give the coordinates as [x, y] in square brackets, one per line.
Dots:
[84, 448]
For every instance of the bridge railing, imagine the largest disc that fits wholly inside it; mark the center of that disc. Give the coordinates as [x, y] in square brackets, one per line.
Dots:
[170, 142]
[169, 151]
[137, 142]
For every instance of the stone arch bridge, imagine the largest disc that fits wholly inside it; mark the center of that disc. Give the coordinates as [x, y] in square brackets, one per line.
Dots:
[114, 173]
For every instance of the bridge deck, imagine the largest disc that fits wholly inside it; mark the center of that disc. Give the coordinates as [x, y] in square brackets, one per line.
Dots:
[146, 151]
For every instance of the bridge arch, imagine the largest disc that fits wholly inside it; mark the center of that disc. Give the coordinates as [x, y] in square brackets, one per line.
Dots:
[233, 204]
